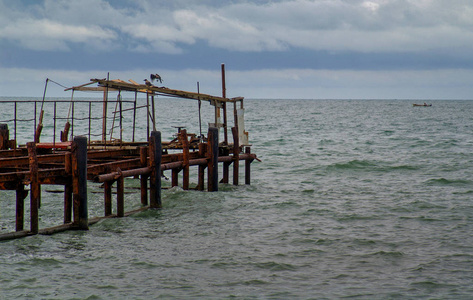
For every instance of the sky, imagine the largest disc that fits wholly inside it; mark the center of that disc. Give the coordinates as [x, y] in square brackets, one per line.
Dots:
[281, 49]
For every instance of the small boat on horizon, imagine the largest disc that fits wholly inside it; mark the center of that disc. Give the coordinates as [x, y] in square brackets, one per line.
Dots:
[425, 104]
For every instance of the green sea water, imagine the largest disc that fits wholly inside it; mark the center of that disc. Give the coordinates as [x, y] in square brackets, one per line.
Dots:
[363, 199]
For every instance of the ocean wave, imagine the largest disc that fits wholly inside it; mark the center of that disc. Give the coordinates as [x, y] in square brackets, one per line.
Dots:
[445, 181]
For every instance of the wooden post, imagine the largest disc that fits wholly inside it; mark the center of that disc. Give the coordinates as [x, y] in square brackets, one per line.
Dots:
[226, 168]
[39, 128]
[34, 187]
[185, 163]
[143, 177]
[236, 152]
[212, 173]
[247, 167]
[175, 176]
[68, 189]
[79, 179]
[120, 195]
[68, 192]
[107, 190]
[20, 206]
[4, 137]
[201, 176]
[155, 154]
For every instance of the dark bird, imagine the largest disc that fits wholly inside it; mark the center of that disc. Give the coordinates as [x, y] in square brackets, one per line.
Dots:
[157, 77]
[147, 82]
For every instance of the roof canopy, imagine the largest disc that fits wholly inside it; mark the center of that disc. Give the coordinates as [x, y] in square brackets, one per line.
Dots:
[132, 86]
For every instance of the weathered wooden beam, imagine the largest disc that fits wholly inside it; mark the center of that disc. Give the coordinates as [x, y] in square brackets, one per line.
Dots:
[161, 90]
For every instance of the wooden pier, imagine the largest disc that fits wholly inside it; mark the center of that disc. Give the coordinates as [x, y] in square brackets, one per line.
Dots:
[75, 162]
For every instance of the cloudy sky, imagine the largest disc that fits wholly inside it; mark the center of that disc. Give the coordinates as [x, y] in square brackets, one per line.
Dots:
[315, 49]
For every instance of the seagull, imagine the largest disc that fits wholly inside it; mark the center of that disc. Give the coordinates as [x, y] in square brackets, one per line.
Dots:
[157, 77]
[147, 82]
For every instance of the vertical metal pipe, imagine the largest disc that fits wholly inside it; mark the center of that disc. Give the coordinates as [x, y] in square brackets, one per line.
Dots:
[224, 95]
[14, 120]
[35, 115]
[134, 117]
[147, 116]
[104, 112]
[90, 119]
[154, 114]
[121, 117]
[72, 120]
[200, 115]
[54, 126]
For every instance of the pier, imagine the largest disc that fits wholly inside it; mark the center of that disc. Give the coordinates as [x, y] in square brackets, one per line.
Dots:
[75, 160]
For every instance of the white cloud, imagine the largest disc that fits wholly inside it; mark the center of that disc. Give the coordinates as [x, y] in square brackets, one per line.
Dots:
[340, 25]
[44, 34]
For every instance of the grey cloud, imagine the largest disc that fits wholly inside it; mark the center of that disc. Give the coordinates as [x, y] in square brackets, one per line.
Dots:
[330, 25]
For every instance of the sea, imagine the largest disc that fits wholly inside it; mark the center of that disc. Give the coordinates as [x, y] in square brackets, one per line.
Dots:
[357, 199]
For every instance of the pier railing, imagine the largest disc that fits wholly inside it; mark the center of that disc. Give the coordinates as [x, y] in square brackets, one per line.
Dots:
[65, 119]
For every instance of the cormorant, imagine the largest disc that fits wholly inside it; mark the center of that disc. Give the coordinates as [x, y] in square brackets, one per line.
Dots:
[147, 82]
[157, 77]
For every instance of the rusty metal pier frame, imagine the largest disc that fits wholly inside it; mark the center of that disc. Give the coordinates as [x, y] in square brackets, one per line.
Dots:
[73, 163]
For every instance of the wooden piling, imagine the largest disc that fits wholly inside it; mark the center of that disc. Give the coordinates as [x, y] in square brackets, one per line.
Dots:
[185, 159]
[201, 172]
[236, 152]
[175, 177]
[212, 150]
[120, 195]
[34, 187]
[248, 167]
[68, 189]
[4, 137]
[20, 206]
[155, 153]
[107, 190]
[79, 179]
[68, 196]
[144, 177]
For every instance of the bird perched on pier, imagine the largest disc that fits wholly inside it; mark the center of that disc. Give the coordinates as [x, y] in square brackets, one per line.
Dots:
[157, 77]
[148, 83]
